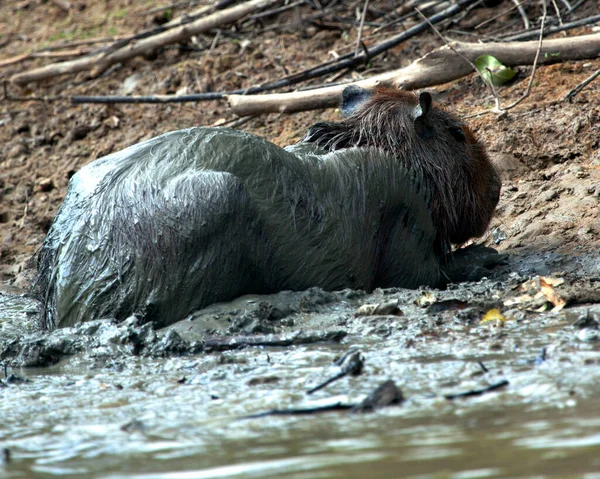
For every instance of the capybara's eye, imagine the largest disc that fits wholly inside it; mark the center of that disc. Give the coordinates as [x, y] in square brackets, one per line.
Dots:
[458, 134]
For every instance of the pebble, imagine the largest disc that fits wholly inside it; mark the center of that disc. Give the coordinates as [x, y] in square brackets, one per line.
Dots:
[588, 334]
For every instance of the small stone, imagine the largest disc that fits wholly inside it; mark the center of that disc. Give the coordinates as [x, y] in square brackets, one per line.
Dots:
[44, 184]
[588, 335]
[550, 195]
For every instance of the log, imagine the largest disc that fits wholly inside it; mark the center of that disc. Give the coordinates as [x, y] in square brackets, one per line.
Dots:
[440, 66]
[101, 62]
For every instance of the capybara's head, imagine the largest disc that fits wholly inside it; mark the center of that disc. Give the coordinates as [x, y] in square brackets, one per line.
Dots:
[425, 137]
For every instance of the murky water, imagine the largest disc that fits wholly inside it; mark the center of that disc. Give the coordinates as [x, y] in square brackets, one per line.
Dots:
[97, 416]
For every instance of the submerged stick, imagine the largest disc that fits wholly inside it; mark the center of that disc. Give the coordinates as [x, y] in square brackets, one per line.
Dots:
[228, 343]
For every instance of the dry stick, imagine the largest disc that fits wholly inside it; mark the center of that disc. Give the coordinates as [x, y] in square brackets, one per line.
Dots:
[568, 5]
[523, 14]
[406, 11]
[78, 43]
[490, 85]
[575, 91]
[176, 22]
[275, 11]
[45, 52]
[566, 26]
[53, 55]
[326, 68]
[360, 28]
[535, 62]
[199, 12]
[440, 66]
[237, 122]
[576, 6]
[557, 10]
[152, 11]
[495, 17]
[99, 62]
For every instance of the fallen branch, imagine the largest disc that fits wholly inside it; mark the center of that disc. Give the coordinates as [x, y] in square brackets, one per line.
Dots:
[47, 54]
[555, 29]
[345, 61]
[478, 392]
[440, 66]
[228, 343]
[101, 62]
[575, 91]
[386, 394]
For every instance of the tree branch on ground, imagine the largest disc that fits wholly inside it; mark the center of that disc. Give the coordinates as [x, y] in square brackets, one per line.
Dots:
[326, 68]
[440, 66]
[100, 62]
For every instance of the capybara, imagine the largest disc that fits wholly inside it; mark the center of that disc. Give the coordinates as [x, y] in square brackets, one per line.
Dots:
[203, 215]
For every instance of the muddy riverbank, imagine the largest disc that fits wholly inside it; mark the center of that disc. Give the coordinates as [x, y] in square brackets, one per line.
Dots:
[508, 396]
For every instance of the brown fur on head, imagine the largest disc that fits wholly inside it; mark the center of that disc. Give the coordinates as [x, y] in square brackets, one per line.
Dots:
[427, 138]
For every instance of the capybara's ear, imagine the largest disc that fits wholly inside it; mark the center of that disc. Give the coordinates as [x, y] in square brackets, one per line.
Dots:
[352, 98]
[421, 110]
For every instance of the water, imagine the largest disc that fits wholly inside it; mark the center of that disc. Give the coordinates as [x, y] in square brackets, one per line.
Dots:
[106, 416]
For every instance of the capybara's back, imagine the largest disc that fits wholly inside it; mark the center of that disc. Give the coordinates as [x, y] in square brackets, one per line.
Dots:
[203, 215]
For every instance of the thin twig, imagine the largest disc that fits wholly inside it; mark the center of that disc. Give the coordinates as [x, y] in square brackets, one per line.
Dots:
[275, 11]
[360, 28]
[152, 11]
[566, 26]
[577, 5]
[52, 55]
[568, 5]
[78, 43]
[406, 11]
[523, 14]
[326, 68]
[575, 91]
[495, 17]
[537, 56]
[214, 43]
[557, 10]
[25, 210]
[449, 45]
[238, 121]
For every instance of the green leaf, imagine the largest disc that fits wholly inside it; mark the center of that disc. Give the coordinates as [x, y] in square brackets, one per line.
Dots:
[493, 71]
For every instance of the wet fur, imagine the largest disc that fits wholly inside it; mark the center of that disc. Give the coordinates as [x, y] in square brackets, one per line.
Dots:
[203, 215]
[442, 149]
[207, 214]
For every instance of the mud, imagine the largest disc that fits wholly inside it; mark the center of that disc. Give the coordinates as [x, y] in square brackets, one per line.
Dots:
[151, 398]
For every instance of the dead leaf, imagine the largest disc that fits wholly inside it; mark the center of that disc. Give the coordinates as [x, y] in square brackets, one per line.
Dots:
[427, 299]
[548, 291]
[493, 315]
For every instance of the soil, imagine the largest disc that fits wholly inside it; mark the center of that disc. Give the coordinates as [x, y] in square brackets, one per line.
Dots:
[547, 149]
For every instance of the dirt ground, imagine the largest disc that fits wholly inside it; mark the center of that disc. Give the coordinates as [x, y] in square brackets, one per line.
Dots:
[548, 150]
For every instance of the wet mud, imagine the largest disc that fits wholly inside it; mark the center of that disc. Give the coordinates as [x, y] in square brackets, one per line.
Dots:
[241, 371]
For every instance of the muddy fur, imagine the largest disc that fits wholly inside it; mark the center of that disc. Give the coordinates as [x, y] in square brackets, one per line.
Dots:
[207, 214]
[431, 141]
[203, 215]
